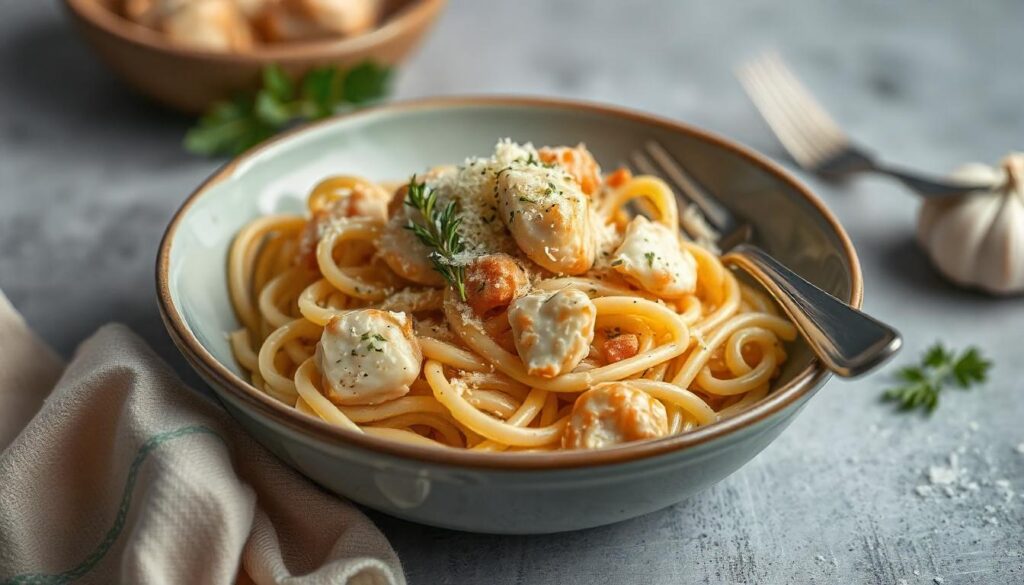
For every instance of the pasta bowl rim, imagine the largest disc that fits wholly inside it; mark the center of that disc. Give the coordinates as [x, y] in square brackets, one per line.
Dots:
[776, 402]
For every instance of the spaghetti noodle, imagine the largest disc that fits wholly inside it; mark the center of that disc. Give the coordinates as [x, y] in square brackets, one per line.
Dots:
[552, 316]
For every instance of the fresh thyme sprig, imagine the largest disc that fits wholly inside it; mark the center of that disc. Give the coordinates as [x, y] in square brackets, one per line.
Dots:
[921, 385]
[231, 127]
[439, 232]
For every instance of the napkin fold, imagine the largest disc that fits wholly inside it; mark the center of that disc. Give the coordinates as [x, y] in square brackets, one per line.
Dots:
[113, 471]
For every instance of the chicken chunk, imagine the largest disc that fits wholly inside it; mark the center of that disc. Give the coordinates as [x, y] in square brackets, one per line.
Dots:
[215, 25]
[620, 347]
[494, 281]
[253, 8]
[291, 20]
[150, 13]
[650, 256]
[398, 246]
[613, 413]
[404, 253]
[368, 356]
[345, 17]
[548, 216]
[578, 162]
[552, 331]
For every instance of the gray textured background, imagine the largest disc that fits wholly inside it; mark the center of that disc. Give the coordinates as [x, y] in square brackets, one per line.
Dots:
[90, 174]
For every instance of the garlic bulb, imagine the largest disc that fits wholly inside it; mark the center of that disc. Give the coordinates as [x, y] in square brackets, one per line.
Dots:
[978, 240]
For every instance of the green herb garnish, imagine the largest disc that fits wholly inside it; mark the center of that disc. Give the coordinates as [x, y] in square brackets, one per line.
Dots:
[439, 232]
[921, 385]
[650, 258]
[232, 127]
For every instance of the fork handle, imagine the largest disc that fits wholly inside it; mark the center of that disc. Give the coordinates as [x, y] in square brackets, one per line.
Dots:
[847, 341]
[856, 160]
[925, 187]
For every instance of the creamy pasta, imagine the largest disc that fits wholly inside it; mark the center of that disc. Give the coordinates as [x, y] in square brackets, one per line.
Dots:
[510, 303]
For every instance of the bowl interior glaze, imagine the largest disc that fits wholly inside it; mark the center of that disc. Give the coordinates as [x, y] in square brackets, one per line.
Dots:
[392, 142]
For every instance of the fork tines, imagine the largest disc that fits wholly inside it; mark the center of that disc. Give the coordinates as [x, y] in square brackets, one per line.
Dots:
[805, 129]
[702, 217]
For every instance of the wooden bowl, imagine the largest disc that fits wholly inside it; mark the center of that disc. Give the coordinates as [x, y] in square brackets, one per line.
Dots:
[190, 80]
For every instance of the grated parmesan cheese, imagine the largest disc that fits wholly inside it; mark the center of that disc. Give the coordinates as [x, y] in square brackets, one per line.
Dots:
[472, 186]
[940, 475]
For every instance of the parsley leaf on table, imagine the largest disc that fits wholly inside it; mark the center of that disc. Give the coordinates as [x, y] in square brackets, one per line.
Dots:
[921, 385]
[233, 126]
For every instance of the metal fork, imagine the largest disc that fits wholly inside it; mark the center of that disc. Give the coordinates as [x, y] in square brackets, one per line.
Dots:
[814, 139]
[847, 341]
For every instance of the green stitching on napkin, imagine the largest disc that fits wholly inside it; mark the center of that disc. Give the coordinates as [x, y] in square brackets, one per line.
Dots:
[122, 513]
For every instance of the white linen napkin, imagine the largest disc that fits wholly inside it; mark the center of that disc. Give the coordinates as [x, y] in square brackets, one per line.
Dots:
[115, 472]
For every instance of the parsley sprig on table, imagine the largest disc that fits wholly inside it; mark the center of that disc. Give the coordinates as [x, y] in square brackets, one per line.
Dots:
[920, 385]
[233, 126]
[439, 232]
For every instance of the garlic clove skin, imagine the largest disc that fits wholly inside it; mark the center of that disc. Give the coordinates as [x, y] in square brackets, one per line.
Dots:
[957, 233]
[978, 240]
[1001, 258]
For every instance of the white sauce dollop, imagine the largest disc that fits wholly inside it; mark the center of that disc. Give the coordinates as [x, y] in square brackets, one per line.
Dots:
[368, 356]
[552, 331]
[549, 217]
[613, 413]
[650, 255]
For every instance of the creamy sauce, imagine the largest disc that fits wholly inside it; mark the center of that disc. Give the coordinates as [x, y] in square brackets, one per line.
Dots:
[549, 216]
[552, 331]
[368, 356]
[613, 413]
[650, 256]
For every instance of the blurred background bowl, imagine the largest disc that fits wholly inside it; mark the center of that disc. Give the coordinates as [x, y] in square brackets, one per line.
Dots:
[190, 80]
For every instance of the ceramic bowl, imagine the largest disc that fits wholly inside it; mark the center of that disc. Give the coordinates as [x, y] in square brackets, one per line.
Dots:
[495, 493]
[191, 80]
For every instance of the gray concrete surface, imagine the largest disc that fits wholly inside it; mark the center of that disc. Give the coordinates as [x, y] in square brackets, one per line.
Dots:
[89, 175]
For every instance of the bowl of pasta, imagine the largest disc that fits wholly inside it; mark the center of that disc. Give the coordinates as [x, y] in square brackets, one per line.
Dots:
[463, 312]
